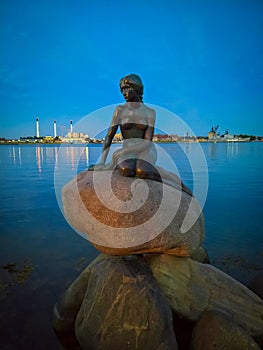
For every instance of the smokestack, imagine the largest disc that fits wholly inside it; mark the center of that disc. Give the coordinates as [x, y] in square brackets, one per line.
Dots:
[55, 129]
[37, 127]
[71, 127]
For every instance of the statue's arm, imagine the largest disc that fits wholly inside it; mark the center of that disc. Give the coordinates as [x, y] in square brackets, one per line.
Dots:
[149, 132]
[110, 134]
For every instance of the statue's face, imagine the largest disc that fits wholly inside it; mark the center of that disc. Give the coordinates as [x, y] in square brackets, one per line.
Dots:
[129, 93]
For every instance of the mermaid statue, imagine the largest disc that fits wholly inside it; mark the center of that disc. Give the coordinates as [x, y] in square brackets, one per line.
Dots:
[136, 121]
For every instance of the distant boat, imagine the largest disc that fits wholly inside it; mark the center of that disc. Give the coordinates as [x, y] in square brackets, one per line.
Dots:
[233, 140]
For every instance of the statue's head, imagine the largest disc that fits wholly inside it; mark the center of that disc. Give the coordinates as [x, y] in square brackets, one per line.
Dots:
[132, 87]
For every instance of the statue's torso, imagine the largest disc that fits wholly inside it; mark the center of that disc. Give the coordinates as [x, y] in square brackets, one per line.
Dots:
[134, 121]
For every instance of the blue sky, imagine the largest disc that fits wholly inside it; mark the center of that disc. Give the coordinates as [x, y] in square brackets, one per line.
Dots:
[62, 60]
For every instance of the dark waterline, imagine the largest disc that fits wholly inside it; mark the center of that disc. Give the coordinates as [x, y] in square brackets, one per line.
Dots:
[41, 254]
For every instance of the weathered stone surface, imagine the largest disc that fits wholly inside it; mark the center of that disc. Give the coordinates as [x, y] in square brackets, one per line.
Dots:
[216, 330]
[124, 215]
[117, 304]
[192, 287]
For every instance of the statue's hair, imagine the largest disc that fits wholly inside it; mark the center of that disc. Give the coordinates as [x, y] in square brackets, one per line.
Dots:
[135, 81]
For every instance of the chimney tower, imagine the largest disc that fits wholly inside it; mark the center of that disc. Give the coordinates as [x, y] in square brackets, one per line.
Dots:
[37, 127]
[71, 127]
[55, 129]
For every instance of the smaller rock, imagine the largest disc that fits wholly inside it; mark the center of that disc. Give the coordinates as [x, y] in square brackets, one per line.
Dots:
[201, 255]
[216, 330]
[116, 304]
[192, 288]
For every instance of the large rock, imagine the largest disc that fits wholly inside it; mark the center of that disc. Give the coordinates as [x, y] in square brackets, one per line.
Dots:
[116, 304]
[126, 215]
[192, 287]
[216, 330]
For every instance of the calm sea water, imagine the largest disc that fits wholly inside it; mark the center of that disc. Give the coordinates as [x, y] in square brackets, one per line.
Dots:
[41, 254]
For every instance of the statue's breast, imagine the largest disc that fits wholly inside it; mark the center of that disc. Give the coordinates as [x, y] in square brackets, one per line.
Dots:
[128, 126]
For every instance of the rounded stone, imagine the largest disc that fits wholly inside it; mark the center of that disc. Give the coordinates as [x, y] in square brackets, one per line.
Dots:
[116, 304]
[192, 288]
[126, 215]
[216, 330]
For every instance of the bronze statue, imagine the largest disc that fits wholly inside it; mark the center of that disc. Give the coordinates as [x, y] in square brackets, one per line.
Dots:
[138, 155]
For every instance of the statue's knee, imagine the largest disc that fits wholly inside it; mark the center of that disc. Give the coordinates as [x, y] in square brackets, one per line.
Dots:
[140, 172]
[126, 171]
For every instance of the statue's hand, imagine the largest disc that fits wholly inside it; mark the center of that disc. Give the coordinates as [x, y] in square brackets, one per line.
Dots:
[94, 167]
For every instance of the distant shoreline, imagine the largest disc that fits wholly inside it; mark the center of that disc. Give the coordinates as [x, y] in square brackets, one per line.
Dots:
[101, 143]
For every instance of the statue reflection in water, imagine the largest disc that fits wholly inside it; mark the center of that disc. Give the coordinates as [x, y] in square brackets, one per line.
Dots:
[138, 155]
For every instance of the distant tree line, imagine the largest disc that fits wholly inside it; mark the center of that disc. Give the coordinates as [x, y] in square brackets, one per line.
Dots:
[251, 137]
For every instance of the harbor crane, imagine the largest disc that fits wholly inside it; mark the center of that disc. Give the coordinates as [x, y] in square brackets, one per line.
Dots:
[214, 129]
